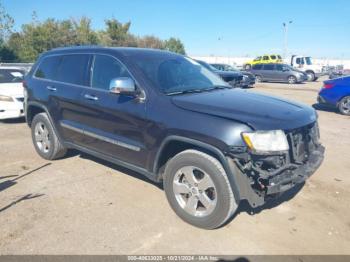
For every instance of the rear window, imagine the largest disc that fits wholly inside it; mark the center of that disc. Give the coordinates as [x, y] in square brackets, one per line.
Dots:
[257, 67]
[279, 57]
[70, 69]
[265, 58]
[11, 76]
[48, 67]
[269, 67]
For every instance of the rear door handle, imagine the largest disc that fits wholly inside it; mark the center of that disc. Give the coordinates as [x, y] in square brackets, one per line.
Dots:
[51, 88]
[91, 97]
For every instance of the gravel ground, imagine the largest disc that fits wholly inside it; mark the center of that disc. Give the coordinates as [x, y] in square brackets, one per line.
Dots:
[82, 205]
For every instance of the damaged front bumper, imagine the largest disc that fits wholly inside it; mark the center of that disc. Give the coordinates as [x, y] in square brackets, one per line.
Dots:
[258, 178]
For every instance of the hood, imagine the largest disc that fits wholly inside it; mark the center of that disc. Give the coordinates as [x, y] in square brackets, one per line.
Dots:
[259, 111]
[11, 89]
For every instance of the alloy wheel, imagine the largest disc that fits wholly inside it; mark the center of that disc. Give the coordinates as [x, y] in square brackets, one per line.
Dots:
[195, 191]
[42, 137]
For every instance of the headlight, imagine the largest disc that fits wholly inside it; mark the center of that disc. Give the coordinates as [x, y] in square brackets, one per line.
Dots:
[266, 141]
[6, 98]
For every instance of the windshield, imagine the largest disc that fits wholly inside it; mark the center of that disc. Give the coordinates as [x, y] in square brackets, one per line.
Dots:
[206, 65]
[308, 60]
[175, 74]
[11, 75]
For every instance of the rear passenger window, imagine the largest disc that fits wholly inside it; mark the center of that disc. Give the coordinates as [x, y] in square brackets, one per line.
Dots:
[73, 69]
[257, 67]
[273, 57]
[265, 58]
[279, 67]
[48, 67]
[106, 68]
[269, 67]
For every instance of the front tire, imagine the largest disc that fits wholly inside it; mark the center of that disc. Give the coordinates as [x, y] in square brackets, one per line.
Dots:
[344, 106]
[198, 190]
[292, 80]
[45, 140]
[247, 67]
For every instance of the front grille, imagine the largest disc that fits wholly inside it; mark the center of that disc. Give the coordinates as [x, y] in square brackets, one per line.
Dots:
[302, 141]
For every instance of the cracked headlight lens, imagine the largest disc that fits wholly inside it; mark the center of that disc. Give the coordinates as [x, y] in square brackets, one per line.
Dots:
[266, 141]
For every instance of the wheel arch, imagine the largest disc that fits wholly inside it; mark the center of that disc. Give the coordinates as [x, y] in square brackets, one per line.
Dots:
[167, 150]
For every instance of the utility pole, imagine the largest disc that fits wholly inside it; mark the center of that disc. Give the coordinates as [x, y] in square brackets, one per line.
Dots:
[285, 30]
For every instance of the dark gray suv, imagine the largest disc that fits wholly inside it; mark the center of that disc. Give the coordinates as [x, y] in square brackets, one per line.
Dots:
[169, 118]
[277, 73]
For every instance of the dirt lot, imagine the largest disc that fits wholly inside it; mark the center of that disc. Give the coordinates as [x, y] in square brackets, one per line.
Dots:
[82, 205]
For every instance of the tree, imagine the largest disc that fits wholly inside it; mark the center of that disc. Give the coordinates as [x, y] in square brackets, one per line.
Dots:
[83, 32]
[117, 33]
[150, 41]
[174, 45]
[6, 23]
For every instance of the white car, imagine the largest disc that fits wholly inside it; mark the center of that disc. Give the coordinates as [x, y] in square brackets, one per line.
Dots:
[11, 93]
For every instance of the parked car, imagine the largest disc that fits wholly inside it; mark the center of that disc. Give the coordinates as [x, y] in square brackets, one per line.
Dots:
[340, 73]
[265, 59]
[336, 92]
[234, 79]
[163, 115]
[248, 78]
[277, 73]
[11, 93]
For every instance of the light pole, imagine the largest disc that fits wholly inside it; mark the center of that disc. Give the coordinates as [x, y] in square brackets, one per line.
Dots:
[285, 27]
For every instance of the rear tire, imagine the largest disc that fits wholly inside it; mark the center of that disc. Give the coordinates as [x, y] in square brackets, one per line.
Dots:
[45, 140]
[258, 79]
[198, 190]
[247, 67]
[311, 76]
[344, 106]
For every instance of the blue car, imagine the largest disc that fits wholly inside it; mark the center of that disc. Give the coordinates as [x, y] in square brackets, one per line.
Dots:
[336, 92]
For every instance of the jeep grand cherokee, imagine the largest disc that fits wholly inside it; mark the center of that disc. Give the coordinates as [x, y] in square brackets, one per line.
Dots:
[167, 117]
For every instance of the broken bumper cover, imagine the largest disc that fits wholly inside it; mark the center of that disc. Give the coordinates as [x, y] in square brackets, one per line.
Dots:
[284, 180]
[288, 179]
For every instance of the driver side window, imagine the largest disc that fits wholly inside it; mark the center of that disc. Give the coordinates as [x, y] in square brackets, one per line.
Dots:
[104, 69]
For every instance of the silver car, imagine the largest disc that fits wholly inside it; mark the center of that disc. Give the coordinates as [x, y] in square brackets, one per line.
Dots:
[277, 73]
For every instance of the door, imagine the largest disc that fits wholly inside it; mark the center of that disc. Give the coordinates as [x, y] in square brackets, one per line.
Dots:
[268, 72]
[62, 79]
[114, 123]
[281, 73]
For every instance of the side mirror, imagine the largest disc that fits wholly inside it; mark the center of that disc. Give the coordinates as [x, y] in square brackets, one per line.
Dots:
[122, 86]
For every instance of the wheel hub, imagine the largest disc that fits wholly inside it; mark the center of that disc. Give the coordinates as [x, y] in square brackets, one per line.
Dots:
[194, 191]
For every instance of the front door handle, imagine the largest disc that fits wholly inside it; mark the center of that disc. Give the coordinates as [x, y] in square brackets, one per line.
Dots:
[51, 88]
[91, 97]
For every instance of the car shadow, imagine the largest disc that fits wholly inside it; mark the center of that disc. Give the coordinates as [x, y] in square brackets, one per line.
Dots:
[325, 108]
[270, 203]
[19, 120]
[121, 169]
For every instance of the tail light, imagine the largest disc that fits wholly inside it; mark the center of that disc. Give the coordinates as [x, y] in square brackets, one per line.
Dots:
[328, 85]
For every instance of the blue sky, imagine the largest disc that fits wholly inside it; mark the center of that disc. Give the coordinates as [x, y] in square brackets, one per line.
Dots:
[231, 27]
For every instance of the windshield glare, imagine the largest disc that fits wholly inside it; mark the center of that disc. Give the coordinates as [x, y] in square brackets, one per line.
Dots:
[308, 60]
[172, 74]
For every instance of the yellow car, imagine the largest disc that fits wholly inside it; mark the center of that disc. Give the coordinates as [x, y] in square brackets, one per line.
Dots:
[265, 59]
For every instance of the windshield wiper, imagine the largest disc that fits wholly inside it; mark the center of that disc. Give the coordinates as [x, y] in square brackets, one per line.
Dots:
[197, 90]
